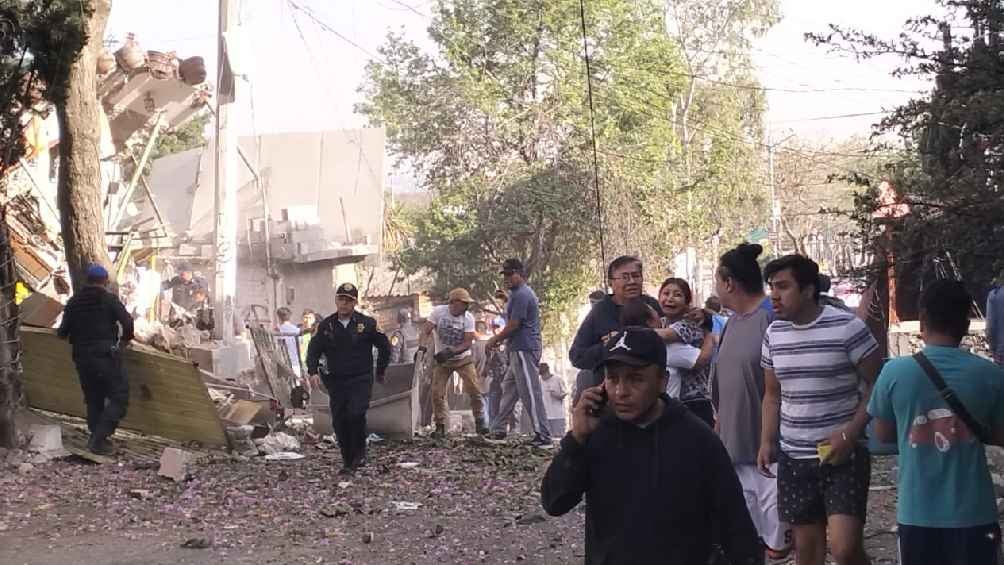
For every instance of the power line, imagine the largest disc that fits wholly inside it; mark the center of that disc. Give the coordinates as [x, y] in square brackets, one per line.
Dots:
[836, 117]
[410, 8]
[592, 133]
[320, 23]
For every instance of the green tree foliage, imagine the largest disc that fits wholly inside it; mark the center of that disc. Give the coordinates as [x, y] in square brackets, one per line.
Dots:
[39, 40]
[952, 140]
[496, 121]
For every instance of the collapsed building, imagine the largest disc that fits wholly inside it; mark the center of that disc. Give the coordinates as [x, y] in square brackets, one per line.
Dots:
[310, 208]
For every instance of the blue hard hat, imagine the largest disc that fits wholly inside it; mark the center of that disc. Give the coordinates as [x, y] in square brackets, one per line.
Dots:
[96, 272]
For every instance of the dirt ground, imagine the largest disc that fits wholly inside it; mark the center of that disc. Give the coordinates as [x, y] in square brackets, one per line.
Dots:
[477, 504]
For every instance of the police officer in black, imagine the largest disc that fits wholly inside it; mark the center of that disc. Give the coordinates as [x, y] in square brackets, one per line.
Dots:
[346, 339]
[99, 328]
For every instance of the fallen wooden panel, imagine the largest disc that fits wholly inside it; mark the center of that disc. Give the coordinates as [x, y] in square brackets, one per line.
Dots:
[40, 310]
[393, 410]
[167, 397]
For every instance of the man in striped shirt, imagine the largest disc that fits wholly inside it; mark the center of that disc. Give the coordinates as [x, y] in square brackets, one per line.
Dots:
[815, 359]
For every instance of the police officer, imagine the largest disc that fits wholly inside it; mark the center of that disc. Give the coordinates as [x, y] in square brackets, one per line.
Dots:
[346, 339]
[99, 328]
[185, 287]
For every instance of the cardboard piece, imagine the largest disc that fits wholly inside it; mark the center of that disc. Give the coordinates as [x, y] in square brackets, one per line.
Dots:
[241, 412]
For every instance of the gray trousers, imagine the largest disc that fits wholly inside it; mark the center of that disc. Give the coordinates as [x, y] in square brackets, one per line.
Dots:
[522, 383]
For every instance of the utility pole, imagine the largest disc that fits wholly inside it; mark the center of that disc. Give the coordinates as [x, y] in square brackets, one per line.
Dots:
[775, 204]
[775, 200]
[225, 234]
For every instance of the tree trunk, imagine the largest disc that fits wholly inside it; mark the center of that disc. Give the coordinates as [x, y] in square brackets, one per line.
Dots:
[79, 189]
[10, 346]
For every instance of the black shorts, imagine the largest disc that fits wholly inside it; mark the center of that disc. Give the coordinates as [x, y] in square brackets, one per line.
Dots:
[809, 493]
[979, 545]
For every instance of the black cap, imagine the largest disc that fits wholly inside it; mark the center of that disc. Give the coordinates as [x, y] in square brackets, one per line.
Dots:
[512, 266]
[348, 290]
[635, 346]
[183, 268]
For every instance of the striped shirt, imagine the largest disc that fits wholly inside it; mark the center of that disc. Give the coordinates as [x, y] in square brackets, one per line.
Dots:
[815, 365]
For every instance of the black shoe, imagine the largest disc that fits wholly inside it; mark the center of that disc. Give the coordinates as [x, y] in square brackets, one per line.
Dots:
[481, 429]
[346, 472]
[440, 432]
[498, 436]
[538, 441]
[99, 446]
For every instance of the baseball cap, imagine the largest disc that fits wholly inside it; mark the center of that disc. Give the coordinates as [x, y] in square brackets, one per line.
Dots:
[512, 266]
[635, 346]
[97, 273]
[460, 294]
[348, 290]
[183, 268]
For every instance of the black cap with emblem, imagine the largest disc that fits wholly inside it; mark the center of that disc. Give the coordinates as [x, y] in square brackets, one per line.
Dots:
[635, 346]
[348, 290]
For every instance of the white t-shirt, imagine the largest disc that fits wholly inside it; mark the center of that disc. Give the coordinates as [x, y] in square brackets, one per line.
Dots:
[450, 329]
[290, 333]
[678, 356]
[554, 397]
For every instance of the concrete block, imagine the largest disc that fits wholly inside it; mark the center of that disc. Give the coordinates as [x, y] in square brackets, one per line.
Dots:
[456, 425]
[45, 438]
[175, 464]
[466, 421]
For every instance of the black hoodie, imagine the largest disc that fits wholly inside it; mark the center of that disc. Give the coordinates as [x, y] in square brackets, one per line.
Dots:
[653, 494]
[605, 317]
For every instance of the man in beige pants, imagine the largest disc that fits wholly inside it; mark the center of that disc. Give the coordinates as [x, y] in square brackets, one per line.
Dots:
[454, 329]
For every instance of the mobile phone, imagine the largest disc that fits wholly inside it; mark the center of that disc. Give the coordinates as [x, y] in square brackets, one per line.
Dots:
[602, 403]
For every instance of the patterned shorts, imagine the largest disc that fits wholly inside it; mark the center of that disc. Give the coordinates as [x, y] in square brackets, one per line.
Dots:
[809, 492]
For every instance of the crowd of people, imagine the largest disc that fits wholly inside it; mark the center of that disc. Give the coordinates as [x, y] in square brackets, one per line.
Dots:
[738, 430]
[745, 437]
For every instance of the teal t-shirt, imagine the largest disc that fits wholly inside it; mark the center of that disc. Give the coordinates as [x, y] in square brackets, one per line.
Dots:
[944, 481]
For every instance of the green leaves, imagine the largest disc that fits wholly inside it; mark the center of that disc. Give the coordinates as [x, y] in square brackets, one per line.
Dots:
[496, 122]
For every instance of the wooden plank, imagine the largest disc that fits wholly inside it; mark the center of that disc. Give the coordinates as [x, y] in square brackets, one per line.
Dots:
[167, 397]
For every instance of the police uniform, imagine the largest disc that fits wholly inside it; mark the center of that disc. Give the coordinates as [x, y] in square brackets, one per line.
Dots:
[348, 349]
[97, 323]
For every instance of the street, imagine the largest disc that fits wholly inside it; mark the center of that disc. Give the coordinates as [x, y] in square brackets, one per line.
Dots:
[478, 503]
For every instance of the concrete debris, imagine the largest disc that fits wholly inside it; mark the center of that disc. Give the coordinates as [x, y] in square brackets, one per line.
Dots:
[368, 537]
[277, 442]
[284, 456]
[336, 510]
[198, 543]
[240, 440]
[998, 484]
[175, 464]
[530, 519]
[140, 494]
[25, 468]
[45, 438]
[401, 506]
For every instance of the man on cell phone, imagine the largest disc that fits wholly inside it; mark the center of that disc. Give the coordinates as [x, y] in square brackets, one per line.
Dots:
[657, 480]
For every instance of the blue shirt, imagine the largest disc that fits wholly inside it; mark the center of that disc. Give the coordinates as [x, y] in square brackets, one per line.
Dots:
[524, 308]
[944, 481]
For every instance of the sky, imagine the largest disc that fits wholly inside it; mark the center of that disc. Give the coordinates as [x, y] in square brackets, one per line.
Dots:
[306, 79]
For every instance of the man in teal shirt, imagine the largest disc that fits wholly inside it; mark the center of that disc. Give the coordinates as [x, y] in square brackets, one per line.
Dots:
[947, 510]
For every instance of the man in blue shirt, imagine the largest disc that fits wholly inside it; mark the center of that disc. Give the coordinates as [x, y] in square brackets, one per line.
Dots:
[521, 335]
[947, 510]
